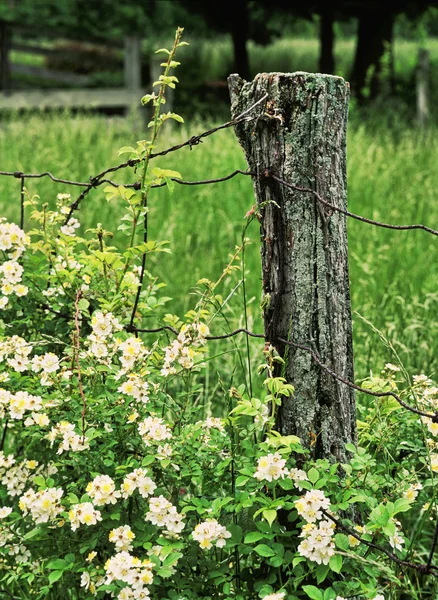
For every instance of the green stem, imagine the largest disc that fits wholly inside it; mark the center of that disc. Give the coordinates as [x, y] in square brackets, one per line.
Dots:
[105, 273]
[145, 189]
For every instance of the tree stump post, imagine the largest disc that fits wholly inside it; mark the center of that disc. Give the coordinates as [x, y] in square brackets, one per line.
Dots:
[301, 137]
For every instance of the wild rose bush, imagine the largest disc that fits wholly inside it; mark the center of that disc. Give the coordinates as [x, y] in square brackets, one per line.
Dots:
[110, 484]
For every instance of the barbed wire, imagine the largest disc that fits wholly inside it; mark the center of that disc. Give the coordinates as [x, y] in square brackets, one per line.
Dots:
[266, 173]
[269, 174]
[425, 568]
[315, 356]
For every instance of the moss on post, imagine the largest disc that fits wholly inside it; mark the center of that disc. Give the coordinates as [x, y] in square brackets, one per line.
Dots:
[301, 137]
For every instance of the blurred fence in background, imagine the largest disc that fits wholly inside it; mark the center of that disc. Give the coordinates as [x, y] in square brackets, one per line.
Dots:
[65, 73]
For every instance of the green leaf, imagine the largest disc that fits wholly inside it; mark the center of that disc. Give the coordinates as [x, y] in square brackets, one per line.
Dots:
[342, 541]
[40, 481]
[170, 185]
[265, 590]
[123, 150]
[236, 533]
[161, 173]
[297, 560]
[276, 561]
[241, 480]
[54, 576]
[145, 100]
[58, 564]
[269, 515]
[33, 533]
[83, 304]
[313, 592]
[336, 563]
[173, 116]
[401, 505]
[264, 550]
[253, 536]
[313, 475]
[321, 573]
[173, 64]
[164, 572]
[380, 515]
[329, 594]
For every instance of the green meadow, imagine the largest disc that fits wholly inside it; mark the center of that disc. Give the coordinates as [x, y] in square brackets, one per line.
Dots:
[392, 177]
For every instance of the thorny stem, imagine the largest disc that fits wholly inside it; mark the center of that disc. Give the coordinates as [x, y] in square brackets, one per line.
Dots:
[105, 272]
[5, 431]
[22, 203]
[245, 308]
[77, 348]
[144, 188]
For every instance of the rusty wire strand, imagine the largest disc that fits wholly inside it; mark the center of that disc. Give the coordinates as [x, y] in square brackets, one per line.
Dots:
[425, 568]
[97, 181]
[269, 174]
[315, 356]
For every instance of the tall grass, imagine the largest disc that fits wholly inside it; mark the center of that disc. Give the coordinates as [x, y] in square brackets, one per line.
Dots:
[392, 176]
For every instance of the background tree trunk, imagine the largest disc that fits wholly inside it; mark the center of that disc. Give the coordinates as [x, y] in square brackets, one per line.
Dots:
[373, 37]
[4, 56]
[239, 32]
[327, 38]
[301, 137]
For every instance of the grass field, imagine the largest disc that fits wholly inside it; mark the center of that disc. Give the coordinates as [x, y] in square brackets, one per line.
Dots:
[392, 177]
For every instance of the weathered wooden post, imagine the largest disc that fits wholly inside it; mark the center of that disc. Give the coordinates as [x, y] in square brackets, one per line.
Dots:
[132, 62]
[423, 87]
[301, 137]
[132, 73]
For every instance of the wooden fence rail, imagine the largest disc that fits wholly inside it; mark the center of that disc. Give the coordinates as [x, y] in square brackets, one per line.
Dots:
[126, 97]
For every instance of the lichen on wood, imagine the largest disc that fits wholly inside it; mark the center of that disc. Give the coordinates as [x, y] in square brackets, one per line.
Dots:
[300, 136]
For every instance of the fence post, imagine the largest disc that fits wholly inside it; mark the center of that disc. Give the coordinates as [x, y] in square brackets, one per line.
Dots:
[132, 75]
[4, 56]
[301, 137]
[132, 62]
[423, 87]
